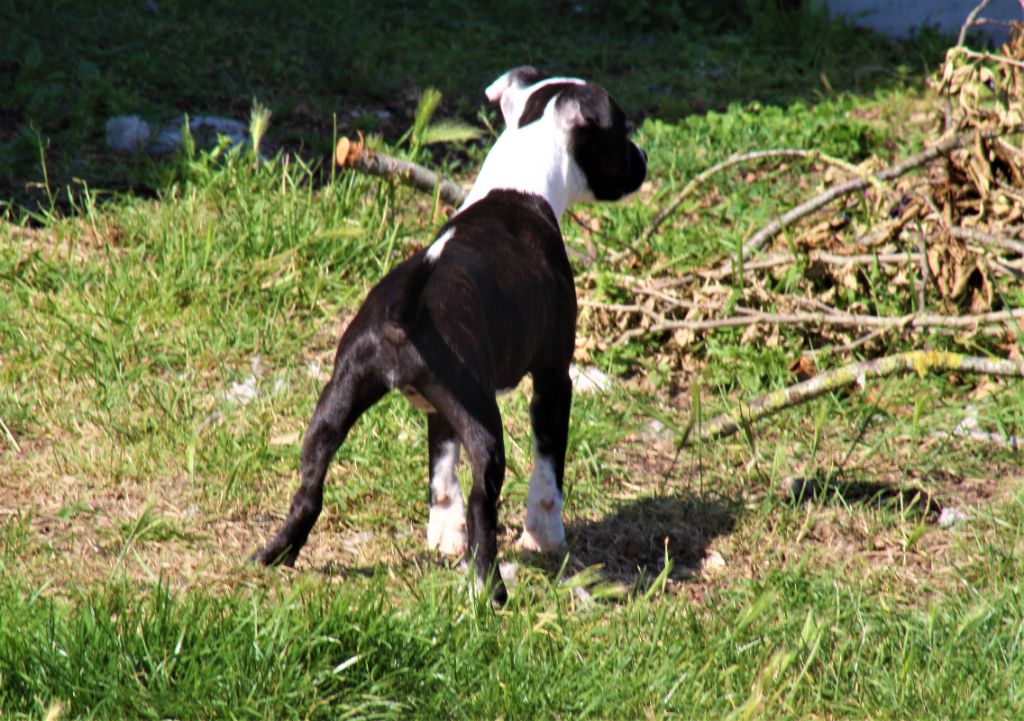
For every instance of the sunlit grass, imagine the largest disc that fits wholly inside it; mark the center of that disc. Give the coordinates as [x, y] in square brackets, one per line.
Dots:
[160, 357]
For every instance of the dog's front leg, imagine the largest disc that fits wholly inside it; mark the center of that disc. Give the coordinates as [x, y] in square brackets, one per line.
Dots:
[549, 416]
[446, 529]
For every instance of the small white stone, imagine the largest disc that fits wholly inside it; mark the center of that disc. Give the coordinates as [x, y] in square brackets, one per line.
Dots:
[657, 430]
[951, 517]
[242, 393]
[588, 379]
[713, 561]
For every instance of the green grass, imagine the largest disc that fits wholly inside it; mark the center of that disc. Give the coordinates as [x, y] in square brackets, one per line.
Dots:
[143, 483]
[797, 644]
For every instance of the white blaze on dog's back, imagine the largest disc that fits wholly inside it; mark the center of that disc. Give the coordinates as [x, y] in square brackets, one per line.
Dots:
[446, 528]
[437, 247]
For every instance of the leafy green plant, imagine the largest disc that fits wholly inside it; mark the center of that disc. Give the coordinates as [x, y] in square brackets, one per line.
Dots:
[424, 132]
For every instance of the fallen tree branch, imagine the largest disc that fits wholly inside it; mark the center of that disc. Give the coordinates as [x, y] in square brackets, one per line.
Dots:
[920, 362]
[836, 318]
[356, 156]
[945, 145]
[662, 215]
[773, 228]
[980, 236]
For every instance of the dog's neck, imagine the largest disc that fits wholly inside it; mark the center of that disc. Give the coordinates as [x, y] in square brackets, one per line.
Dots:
[533, 159]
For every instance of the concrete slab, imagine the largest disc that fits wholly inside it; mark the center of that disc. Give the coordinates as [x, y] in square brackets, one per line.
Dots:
[900, 18]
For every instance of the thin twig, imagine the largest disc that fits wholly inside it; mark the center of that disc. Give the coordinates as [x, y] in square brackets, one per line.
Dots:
[852, 345]
[946, 144]
[926, 276]
[662, 215]
[779, 259]
[10, 436]
[836, 318]
[826, 258]
[920, 362]
[662, 296]
[981, 22]
[864, 258]
[994, 58]
[619, 308]
[971, 17]
[980, 236]
[1010, 191]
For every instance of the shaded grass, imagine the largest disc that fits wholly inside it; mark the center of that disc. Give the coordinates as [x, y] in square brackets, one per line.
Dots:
[67, 67]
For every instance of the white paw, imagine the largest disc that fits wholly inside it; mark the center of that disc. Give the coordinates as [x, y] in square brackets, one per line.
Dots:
[446, 529]
[543, 530]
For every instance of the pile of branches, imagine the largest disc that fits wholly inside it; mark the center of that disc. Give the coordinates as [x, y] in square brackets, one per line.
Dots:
[941, 239]
[944, 232]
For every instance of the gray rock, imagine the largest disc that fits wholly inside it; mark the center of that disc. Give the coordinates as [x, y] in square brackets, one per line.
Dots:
[127, 133]
[205, 129]
[658, 431]
[130, 133]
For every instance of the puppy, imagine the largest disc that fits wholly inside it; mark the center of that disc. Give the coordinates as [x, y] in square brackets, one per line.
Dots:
[463, 320]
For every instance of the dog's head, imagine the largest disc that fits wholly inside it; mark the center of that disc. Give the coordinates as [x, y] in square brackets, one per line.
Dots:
[595, 130]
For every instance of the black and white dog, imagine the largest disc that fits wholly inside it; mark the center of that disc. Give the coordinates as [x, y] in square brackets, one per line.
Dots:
[491, 300]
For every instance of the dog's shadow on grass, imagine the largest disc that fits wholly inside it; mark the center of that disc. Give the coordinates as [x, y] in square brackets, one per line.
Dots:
[632, 543]
[835, 489]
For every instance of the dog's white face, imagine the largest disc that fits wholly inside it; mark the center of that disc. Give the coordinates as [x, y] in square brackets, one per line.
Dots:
[566, 140]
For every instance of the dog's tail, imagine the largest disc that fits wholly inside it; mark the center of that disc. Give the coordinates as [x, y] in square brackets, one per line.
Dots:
[403, 311]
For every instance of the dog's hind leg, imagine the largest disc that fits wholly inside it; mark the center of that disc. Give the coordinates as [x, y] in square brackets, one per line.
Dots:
[345, 397]
[473, 414]
[446, 530]
[549, 416]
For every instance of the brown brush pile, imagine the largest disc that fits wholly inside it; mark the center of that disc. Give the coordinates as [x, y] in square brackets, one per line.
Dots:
[944, 236]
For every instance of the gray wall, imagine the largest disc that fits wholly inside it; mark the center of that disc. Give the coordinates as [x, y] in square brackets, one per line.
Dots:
[899, 18]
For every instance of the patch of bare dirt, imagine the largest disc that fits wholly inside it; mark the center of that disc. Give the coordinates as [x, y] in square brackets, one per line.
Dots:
[713, 518]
